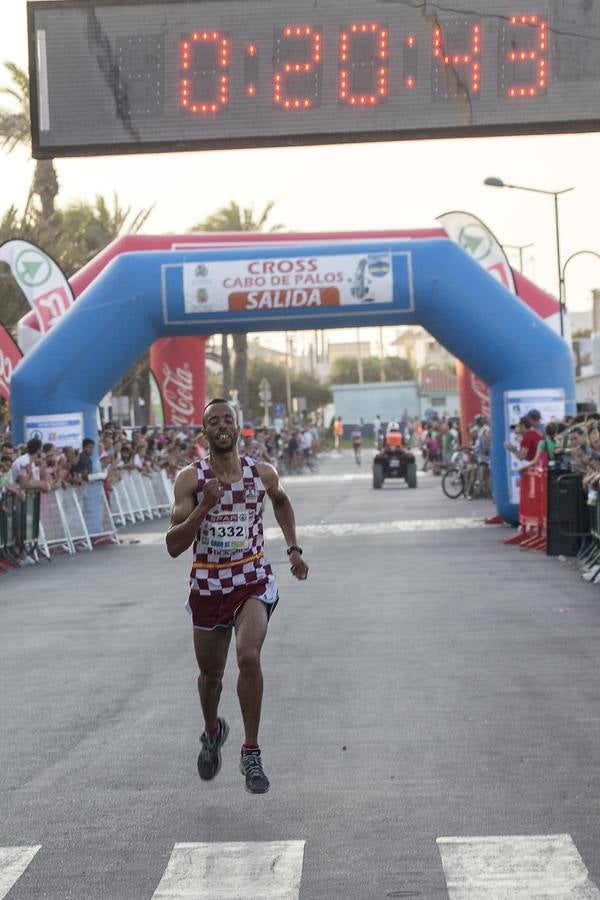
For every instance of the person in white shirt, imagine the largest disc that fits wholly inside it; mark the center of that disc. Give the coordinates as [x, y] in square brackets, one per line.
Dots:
[28, 470]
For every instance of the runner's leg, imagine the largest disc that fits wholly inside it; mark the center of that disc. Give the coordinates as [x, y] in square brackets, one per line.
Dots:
[250, 631]
[211, 653]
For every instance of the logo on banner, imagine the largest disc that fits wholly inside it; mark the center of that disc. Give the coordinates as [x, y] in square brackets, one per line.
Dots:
[10, 356]
[6, 372]
[379, 264]
[32, 268]
[44, 284]
[482, 391]
[50, 307]
[177, 391]
[475, 240]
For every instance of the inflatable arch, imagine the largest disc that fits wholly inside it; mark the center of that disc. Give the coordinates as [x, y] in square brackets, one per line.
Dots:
[142, 296]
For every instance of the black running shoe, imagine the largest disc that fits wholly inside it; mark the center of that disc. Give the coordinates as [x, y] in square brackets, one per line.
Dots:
[209, 761]
[251, 766]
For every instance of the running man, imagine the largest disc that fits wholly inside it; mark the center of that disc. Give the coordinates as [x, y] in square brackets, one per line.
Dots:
[218, 508]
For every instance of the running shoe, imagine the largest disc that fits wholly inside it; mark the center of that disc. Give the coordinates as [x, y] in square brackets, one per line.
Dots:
[251, 766]
[209, 760]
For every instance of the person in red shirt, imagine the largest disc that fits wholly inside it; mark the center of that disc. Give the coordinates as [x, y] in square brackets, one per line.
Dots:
[530, 440]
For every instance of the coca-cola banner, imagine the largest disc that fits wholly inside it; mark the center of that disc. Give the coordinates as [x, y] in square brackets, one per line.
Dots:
[178, 366]
[42, 281]
[9, 358]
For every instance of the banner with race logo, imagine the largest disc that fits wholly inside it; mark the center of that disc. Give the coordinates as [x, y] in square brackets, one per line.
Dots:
[552, 407]
[177, 364]
[10, 355]
[477, 240]
[294, 281]
[60, 429]
[43, 283]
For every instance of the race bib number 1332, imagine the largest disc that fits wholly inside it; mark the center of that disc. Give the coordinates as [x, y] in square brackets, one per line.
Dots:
[226, 533]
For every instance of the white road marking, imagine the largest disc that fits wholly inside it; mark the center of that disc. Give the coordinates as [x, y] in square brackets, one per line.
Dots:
[13, 862]
[515, 867]
[337, 479]
[349, 529]
[233, 871]
[342, 529]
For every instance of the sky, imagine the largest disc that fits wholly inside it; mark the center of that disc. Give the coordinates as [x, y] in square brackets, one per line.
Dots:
[353, 186]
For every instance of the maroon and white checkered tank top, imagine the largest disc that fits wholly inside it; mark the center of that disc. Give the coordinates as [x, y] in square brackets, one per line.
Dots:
[228, 549]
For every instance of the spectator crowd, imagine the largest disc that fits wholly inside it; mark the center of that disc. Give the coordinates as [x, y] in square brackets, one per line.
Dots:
[46, 467]
[572, 443]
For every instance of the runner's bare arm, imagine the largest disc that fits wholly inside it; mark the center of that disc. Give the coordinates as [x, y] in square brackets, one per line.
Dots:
[186, 514]
[284, 513]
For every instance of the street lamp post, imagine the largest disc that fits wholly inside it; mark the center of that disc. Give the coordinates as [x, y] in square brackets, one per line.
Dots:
[520, 248]
[567, 261]
[497, 182]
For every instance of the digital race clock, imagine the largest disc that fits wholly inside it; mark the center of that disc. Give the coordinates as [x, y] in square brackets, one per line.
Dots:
[122, 77]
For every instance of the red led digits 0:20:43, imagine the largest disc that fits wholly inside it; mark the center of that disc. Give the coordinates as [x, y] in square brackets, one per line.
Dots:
[367, 55]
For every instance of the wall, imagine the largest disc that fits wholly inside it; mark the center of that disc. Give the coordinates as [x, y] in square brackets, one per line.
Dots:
[449, 408]
[587, 390]
[389, 399]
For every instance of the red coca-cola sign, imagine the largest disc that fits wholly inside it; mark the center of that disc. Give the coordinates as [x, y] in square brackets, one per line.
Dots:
[10, 355]
[178, 367]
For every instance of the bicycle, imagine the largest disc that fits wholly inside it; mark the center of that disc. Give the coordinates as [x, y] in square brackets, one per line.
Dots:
[455, 478]
[478, 484]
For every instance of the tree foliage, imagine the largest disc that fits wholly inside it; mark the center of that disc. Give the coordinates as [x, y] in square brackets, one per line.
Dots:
[73, 235]
[303, 384]
[344, 370]
[234, 218]
[15, 130]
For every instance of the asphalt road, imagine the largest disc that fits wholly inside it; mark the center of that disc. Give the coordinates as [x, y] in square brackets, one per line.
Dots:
[425, 682]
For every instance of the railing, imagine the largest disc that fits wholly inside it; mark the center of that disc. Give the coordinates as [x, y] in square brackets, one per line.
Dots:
[72, 519]
[19, 529]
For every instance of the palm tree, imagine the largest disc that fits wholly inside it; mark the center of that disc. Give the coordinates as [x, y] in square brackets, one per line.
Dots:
[233, 218]
[15, 131]
[72, 235]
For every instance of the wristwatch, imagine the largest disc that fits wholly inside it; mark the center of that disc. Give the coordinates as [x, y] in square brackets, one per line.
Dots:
[295, 547]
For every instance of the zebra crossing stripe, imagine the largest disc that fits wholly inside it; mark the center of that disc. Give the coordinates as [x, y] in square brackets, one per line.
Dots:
[233, 871]
[13, 862]
[546, 867]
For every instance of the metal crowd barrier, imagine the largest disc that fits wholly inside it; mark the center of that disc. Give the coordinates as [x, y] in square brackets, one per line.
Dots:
[533, 510]
[19, 528]
[76, 518]
[554, 517]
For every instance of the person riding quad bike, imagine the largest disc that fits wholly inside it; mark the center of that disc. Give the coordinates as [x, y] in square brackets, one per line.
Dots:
[394, 438]
[394, 461]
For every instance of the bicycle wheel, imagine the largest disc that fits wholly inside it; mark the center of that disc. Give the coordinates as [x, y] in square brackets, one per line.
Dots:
[453, 483]
[485, 490]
